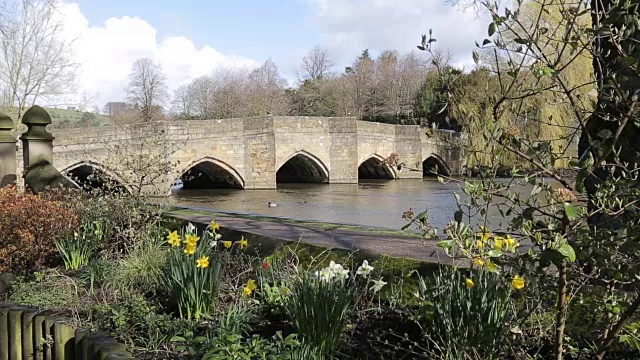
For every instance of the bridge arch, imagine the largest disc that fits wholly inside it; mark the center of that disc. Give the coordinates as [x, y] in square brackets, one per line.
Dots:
[210, 173]
[92, 175]
[434, 165]
[375, 167]
[302, 167]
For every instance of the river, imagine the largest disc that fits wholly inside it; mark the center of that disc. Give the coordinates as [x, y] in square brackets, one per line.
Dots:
[377, 203]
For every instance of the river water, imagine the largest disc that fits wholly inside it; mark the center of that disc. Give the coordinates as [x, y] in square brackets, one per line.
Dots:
[376, 203]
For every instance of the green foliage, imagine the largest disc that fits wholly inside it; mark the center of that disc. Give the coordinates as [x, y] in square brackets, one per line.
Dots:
[78, 248]
[142, 269]
[319, 310]
[49, 290]
[134, 321]
[459, 319]
[237, 347]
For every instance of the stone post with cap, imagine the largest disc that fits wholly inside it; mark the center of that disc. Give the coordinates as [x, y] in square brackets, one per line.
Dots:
[37, 141]
[7, 152]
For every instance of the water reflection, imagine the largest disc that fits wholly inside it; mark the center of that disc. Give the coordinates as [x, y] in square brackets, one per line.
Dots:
[378, 203]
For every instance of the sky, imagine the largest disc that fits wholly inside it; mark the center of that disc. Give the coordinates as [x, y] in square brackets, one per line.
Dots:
[192, 38]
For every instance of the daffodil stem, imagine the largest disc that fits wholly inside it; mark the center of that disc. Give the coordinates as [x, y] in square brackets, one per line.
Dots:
[561, 306]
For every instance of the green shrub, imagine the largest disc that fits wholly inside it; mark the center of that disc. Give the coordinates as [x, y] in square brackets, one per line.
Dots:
[142, 269]
[237, 347]
[319, 310]
[464, 315]
[134, 321]
[77, 248]
[49, 290]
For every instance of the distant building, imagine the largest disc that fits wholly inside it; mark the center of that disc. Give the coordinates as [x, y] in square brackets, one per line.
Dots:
[114, 108]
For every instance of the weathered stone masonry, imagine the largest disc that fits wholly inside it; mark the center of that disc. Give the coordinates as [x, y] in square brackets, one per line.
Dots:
[256, 153]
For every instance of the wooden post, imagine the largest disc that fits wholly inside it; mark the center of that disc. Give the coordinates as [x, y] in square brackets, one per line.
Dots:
[63, 342]
[7, 152]
[15, 332]
[28, 352]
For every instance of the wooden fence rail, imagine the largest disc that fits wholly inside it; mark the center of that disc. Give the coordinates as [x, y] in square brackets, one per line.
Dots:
[26, 333]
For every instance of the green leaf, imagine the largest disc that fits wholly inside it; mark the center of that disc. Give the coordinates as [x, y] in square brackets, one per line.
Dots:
[485, 42]
[567, 252]
[492, 29]
[494, 253]
[476, 57]
[570, 211]
[445, 244]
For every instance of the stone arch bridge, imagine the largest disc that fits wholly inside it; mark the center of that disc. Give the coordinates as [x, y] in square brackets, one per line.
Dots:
[256, 153]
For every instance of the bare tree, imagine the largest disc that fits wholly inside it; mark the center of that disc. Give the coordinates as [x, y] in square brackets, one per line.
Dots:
[267, 90]
[147, 88]
[183, 101]
[35, 61]
[315, 65]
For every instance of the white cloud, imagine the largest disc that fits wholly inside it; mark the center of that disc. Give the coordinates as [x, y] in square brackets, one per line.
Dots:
[350, 26]
[106, 53]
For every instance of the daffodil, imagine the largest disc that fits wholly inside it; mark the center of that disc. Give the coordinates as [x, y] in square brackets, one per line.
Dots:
[214, 226]
[173, 239]
[469, 283]
[227, 244]
[517, 282]
[491, 266]
[243, 243]
[498, 243]
[285, 291]
[191, 240]
[249, 288]
[203, 262]
[478, 261]
[377, 285]
[190, 249]
[483, 237]
[325, 274]
[191, 228]
[364, 269]
[510, 243]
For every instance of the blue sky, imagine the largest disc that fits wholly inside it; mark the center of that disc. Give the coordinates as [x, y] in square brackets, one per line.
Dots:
[250, 28]
[192, 38]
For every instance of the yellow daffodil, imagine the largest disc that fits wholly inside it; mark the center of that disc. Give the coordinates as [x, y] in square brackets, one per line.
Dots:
[214, 226]
[478, 261]
[517, 282]
[173, 239]
[190, 249]
[498, 243]
[191, 240]
[491, 266]
[203, 262]
[510, 243]
[469, 283]
[249, 288]
[243, 243]
[483, 237]
[227, 244]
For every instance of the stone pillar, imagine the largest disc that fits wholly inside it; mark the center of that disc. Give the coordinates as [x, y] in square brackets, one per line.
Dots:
[343, 150]
[37, 142]
[7, 152]
[409, 150]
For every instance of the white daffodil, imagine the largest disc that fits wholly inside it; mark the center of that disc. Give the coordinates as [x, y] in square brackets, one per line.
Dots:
[335, 268]
[191, 228]
[377, 285]
[342, 274]
[325, 274]
[364, 269]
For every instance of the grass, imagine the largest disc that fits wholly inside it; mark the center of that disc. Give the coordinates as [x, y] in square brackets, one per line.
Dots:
[65, 118]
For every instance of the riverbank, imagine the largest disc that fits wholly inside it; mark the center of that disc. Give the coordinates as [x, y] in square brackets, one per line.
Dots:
[366, 240]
